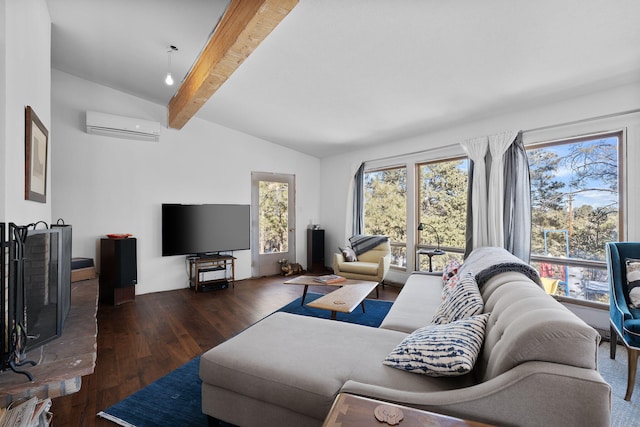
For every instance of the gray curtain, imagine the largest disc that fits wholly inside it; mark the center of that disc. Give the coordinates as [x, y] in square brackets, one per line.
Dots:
[517, 201]
[469, 229]
[358, 201]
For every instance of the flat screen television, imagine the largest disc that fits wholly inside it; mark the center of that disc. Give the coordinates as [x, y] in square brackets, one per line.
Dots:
[205, 229]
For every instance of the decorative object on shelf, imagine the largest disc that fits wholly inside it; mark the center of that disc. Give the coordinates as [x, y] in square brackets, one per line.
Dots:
[35, 159]
[119, 235]
[437, 251]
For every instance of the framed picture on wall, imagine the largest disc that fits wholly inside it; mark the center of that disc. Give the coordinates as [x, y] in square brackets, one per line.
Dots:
[36, 146]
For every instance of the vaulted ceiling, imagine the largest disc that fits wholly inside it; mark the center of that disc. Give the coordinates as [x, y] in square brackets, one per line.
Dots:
[337, 75]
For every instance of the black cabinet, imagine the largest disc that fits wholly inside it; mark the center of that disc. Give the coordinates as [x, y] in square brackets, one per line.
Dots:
[315, 251]
[118, 270]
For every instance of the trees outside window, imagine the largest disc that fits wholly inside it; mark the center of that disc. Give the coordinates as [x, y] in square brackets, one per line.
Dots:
[442, 206]
[273, 217]
[385, 209]
[575, 207]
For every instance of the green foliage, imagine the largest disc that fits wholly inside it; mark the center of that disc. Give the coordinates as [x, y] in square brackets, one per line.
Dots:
[564, 221]
[443, 202]
[546, 192]
[385, 212]
[274, 220]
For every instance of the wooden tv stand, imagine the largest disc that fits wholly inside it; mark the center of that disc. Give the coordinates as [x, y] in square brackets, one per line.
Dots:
[211, 263]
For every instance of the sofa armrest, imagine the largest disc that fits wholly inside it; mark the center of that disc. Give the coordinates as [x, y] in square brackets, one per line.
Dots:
[536, 393]
[383, 265]
[338, 259]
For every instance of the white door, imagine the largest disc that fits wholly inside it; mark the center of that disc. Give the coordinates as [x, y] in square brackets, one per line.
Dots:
[273, 220]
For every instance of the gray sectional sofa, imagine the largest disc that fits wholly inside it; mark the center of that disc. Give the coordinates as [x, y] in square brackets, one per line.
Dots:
[537, 365]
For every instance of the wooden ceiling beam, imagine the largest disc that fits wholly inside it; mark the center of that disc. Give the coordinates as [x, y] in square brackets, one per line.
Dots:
[244, 25]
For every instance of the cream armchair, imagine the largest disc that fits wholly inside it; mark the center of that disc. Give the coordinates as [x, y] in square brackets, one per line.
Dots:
[372, 265]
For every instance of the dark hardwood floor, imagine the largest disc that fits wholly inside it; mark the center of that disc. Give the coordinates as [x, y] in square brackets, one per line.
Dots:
[139, 342]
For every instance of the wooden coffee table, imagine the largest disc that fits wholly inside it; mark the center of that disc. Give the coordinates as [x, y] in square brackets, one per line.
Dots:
[307, 281]
[346, 298]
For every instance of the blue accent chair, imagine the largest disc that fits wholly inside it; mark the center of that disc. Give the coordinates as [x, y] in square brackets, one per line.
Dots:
[624, 320]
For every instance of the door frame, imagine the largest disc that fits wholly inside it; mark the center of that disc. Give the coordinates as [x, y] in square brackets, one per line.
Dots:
[266, 264]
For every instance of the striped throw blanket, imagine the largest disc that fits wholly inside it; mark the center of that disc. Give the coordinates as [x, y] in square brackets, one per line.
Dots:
[361, 243]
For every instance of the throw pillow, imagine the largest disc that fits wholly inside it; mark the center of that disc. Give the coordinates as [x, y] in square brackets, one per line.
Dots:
[633, 281]
[348, 254]
[463, 301]
[450, 270]
[441, 350]
[449, 285]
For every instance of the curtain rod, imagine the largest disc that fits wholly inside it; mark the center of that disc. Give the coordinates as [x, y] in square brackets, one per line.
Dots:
[413, 153]
[590, 119]
[574, 122]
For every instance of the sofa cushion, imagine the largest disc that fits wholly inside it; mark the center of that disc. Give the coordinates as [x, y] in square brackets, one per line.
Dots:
[301, 362]
[462, 301]
[348, 254]
[451, 269]
[415, 305]
[633, 281]
[449, 285]
[527, 324]
[441, 350]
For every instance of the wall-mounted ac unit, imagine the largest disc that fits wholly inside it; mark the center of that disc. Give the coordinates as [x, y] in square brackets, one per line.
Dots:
[122, 127]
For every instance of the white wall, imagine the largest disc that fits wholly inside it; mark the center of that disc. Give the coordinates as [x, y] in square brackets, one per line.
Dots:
[3, 101]
[337, 171]
[25, 79]
[108, 185]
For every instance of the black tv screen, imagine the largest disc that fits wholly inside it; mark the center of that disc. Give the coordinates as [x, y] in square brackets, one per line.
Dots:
[204, 229]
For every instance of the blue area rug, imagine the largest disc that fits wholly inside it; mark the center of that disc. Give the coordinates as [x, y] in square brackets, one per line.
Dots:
[174, 400]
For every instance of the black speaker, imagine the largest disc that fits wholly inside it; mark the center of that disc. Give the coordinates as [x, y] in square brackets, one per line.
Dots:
[118, 270]
[315, 250]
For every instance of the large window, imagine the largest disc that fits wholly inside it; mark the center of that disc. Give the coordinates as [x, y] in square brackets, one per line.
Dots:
[575, 208]
[442, 208]
[385, 209]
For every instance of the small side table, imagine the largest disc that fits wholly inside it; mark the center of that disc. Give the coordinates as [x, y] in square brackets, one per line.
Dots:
[356, 411]
[430, 253]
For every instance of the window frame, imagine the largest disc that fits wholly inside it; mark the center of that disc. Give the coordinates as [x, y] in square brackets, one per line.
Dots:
[417, 214]
[394, 244]
[620, 134]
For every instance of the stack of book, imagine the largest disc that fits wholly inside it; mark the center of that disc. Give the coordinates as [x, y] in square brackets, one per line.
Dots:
[328, 279]
[31, 413]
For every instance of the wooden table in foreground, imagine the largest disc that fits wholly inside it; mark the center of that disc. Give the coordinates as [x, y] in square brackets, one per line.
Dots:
[350, 410]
